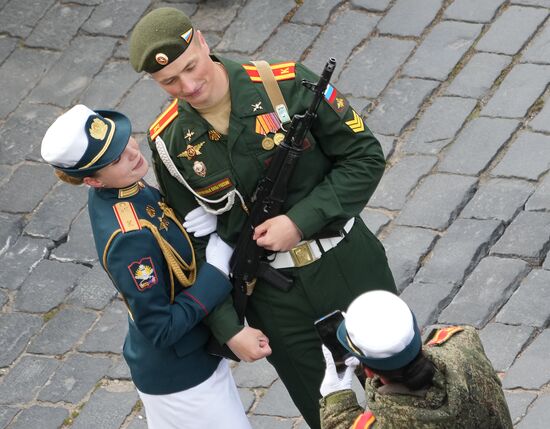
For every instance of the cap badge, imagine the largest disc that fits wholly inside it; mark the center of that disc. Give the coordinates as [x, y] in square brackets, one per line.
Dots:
[161, 58]
[199, 168]
[187, 36]
[98, 129]
[191, 151]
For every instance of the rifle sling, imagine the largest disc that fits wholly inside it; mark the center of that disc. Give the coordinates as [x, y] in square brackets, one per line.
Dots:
[270, 84]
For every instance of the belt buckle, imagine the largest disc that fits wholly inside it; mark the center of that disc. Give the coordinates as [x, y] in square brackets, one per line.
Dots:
[302, 255]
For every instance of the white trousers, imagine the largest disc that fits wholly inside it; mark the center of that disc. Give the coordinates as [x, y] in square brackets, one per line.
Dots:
[213, 403]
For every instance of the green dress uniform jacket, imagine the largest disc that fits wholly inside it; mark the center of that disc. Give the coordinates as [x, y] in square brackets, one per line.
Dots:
[466, 393]
[337, 173]
[165, 345]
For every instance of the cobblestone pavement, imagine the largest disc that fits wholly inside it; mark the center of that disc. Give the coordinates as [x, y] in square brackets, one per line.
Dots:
[455, 90]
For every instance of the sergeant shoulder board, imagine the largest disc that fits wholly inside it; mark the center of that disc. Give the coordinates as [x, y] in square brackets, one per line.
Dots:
[442, 335]
[164, 120]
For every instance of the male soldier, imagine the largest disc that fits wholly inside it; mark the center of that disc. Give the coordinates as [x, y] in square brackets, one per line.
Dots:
[448, 383]
[212, 145]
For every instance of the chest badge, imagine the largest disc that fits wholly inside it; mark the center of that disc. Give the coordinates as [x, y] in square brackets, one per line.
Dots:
[214, 135]
[199, 168]
[163, 223]
[191, 151]
[150, 211]
[257, 106]
[189, 134]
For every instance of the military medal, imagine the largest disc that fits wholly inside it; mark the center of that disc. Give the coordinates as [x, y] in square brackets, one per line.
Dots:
[268, 143]
[189, 134]
[267, 123]
[191, 151]
[214, 135]
[278, 138]
[199, 168]
[150, 211]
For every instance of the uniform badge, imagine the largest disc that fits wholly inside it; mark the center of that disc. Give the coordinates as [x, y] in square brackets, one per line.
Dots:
[199, 168]
[278, 138]
[191, 151]
[163, 223]
[150, 211]
[356, 124]
[143, 273]
[336, 101]
[268, 143]
[257, 106]
[267, 123]
[98, 129]
[189, 134]
[187, 36]
[214, 135]
[161, 58]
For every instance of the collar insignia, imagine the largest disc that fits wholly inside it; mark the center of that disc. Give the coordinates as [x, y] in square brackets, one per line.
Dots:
[189, 134]
[191, 151]
[257, 106]
[128, 192]
[214, 135]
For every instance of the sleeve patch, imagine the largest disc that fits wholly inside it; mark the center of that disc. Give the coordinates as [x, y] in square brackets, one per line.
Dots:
[336, 101]
[164, 120]
[364, 421]
[356, 123]
[143, 273]
[443, 335]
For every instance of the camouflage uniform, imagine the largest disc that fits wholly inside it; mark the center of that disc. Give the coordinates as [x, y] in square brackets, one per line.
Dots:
[466, 393]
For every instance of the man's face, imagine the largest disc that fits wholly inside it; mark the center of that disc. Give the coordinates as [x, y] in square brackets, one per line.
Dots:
[191, 75]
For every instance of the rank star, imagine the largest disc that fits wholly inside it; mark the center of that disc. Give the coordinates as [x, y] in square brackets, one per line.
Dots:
[191, 151]
[257, 106]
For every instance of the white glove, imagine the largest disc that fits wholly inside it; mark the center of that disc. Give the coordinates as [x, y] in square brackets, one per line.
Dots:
[199, 222]
[218, 253]
[333, 382]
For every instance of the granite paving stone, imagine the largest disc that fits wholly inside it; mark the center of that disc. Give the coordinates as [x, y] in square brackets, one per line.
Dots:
[15, 331]
[277, 402]
[20, 259]
[255, 22]
[406, 18]
[276, 48]
[255, 374]
[47, 286]
[448, 192]
[399, 105]
[190, 8]
[374, 5]
[40, 417]
[529, 305]
[270, 422]
[315, 13]
[24, 380]
[330, 42]
[540, 200]
[502, 343]
[116, 17]
[19, 17]
[374, 219]
[35, 179]
[119, 369]
[75, 248]
[479, 74]
[7, 45]
[505, 36]
[10, 229]
[398, 181]
[458, 251]
[527, 158]
[210, 16]
[3, 297]
[541, 121]
[138, 422]
[519, 90]
[427, 300]
[371, 68]
[75, 377]
[108, 334]
[543, 3]
[539, 414]
[442, 49]
[498, 199]
[55, 338]
[247, 398]
[94, 290]
[484, 292]
[387, 143]
[473, 10]
[85, 2]
[477, 145]
[538, 50]
[405, 247]
[106, 410]
[439, 124]
[521, 374]
[528, 236]
[546, 264]
[518, 403]
[23, 69]
[6, 415]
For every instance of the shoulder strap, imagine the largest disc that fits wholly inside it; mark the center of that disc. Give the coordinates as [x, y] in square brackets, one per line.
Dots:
[364, 421]
[272, 88]
[443, 334]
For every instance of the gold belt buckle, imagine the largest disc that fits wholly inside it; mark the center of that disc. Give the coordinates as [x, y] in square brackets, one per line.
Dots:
[302, 255]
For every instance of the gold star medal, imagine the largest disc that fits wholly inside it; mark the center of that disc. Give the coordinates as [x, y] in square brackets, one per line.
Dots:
[199, 168]
[278, 138]
[191, 151]
[268, 143]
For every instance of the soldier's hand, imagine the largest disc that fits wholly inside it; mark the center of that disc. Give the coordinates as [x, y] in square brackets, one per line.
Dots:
[250, 344]
[334, 381]
[200, 223]
[278, 234]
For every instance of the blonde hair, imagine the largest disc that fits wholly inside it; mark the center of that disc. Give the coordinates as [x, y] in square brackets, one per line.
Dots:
[61, 175]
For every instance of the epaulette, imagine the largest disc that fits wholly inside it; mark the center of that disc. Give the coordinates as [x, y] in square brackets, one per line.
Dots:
[164, 119]
[281, 71]
[442, 335]
[126, 216]
[364, 421]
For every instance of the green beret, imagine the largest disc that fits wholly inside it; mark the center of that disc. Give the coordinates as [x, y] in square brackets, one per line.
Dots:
[159, 38]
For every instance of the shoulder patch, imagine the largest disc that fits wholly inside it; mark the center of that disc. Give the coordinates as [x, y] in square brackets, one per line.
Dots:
[336, 101]
[364, 421]
[126, 216]
[281, 71]
[442, 335]
[143, 273]
[164, 119]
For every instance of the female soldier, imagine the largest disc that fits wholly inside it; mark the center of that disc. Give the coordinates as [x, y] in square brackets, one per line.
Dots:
[147, 254]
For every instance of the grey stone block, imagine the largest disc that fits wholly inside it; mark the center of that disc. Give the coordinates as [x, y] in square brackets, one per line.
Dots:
[374, 220]
[255, 374]
[505, 36]
[62, 332]
[3, 298]
[459, 250]
[502, 343]
[449, 193]
[7, 45]
[256, 21]
[115, 17]
[47, 286]
[6, 415]
[277, 402]
[36, 180]
[60, 24]
[40, 417]
[472, 10]
[540, 200]
[519, 90]
[20, 16]
[374, 5]
[22, 70]
[106, 410]
[330, 42]
[405, 247]
[529, 305]
[523, 373]
[387, 143]
[478, 75]
[498, 199]
[406, 18]
[80, 243]
[277, 46]
[518, 403]
[15, 331]
[442, 49]
[24, 380]
[5, 173]
[527, 158]
[539, 414]
[70, 76]
[541, 121]
[477, 145]
[109, 333]
[138, 422]
[484, 292]
[10, 229]
[214, 16]
[371, 68]
[543, 3]
[399, 180]
[94, 290]
[439, 124]
[247, 398]
[119, 369]
[426, 300]
[191, 7]
[75, 377]
[316, 13]
[399, 105]
[270, 422]
[538, 50]
[527, 236]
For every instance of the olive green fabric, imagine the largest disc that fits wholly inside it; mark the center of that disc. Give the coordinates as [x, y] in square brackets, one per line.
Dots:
[466, 393]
